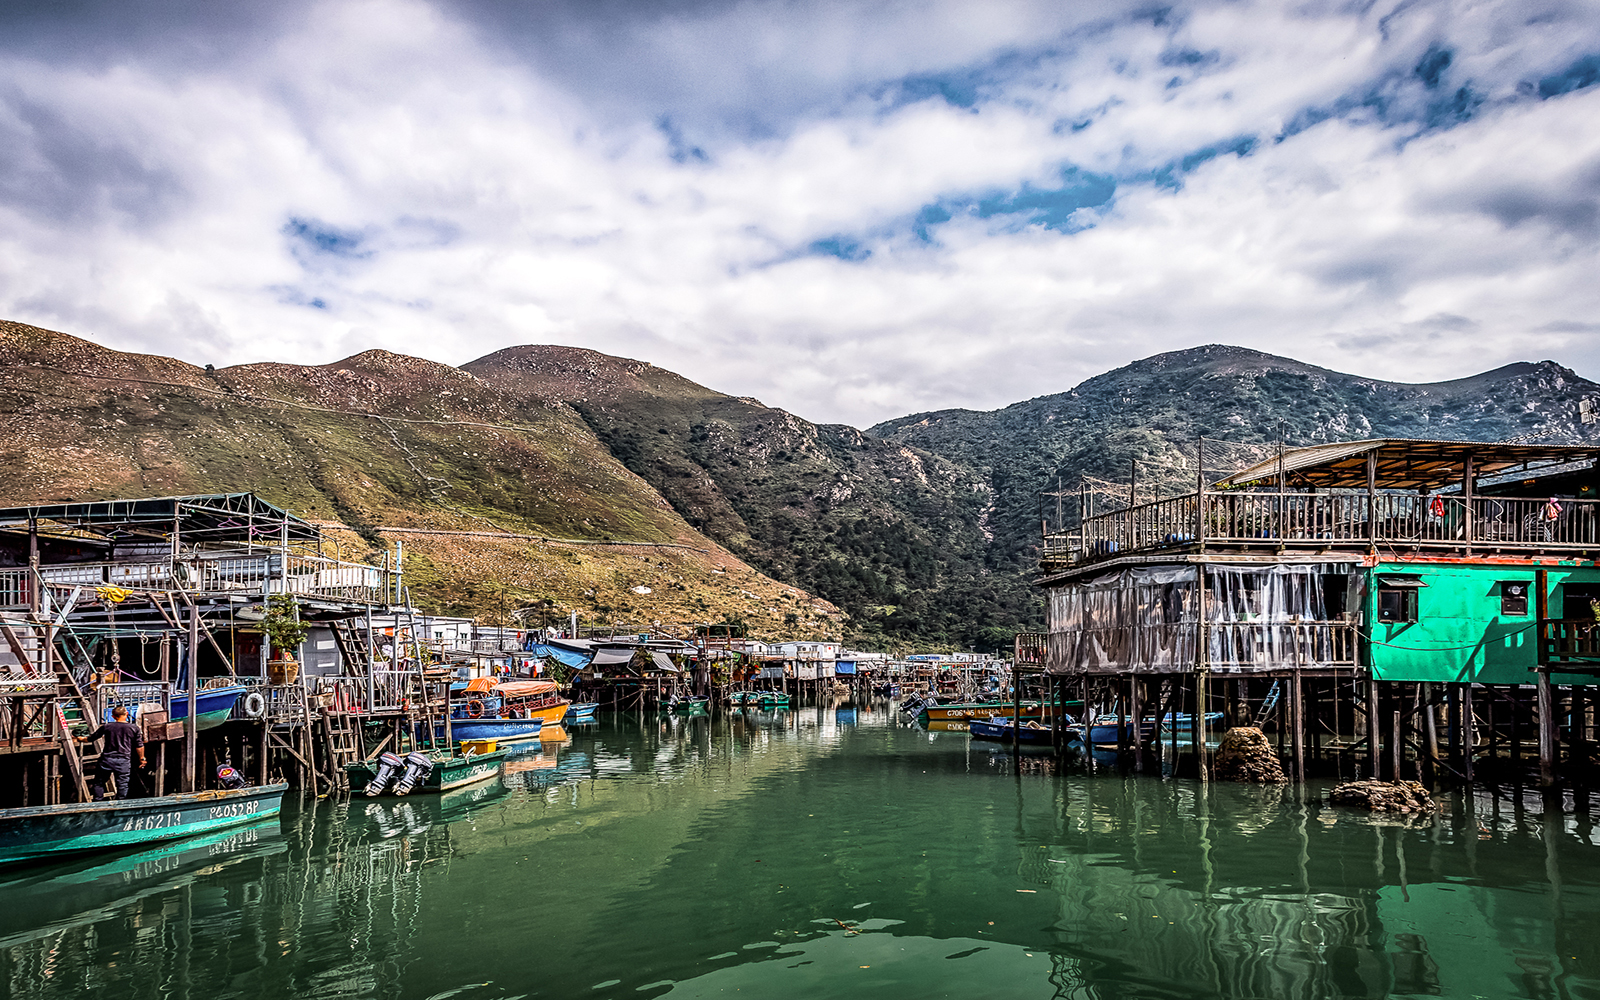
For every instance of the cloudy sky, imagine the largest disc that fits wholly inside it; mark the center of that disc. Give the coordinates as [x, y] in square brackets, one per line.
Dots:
[853, 210]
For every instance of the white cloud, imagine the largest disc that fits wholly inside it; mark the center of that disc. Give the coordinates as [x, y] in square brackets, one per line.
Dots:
[493, 185]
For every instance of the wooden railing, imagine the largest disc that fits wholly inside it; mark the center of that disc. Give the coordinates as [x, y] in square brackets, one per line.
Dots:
[1331, 518]
[1568, 641]
[253, 573]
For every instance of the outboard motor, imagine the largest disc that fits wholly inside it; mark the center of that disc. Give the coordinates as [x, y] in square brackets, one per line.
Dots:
[389, 767]
[229, 778]
[418, 766]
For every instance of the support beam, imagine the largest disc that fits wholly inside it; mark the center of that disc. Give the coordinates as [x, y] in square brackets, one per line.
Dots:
[1547, 730]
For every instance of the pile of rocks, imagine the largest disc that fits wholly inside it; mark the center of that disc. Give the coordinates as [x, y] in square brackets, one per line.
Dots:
[1246, 755]
[1384, 796]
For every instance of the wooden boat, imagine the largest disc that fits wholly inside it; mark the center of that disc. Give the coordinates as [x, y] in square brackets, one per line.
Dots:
[449, 771]
[580, 712]
[1184, 722]
[1106, 731]
[689, 706]
[1001, 728]
[33, 832]
[506, 712]
[983, 710]
[771, 699]
[212, 705]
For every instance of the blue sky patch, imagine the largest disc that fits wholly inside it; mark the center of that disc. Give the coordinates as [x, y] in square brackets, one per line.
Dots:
[842, 247]
[1583, 73]
[1052, 208]
[322, 240]
[679, 148]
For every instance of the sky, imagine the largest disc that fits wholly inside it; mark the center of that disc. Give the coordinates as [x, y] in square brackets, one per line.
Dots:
[852, 210]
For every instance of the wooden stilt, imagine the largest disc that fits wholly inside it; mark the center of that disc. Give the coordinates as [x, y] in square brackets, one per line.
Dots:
[1547, 730]
[1374, 729]
[1469, 731]
[1297, 704]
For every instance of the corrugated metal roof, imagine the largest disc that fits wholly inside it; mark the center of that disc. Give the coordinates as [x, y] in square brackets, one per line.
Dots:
[1402, 463]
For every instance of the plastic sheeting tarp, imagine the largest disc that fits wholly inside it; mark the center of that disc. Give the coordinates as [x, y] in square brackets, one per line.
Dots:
[844, 667]
[1146, 619]
[662, 662]
[612, 657]
[569, 657]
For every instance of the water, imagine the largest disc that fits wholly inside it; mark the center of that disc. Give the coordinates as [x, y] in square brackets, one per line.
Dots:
[824, 853]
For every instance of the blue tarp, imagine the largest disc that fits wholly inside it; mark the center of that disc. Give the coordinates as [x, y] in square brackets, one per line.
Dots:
[569, 657]
[844, 666]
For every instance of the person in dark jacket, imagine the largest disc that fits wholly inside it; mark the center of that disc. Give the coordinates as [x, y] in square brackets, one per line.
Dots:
[124, 745]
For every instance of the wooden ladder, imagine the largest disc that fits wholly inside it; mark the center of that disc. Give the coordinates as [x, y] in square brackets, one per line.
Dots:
[343, 745]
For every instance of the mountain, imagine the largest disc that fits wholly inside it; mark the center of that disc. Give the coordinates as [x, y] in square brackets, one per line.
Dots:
[574, 480]
[894, 535]
[383, 441]
[1153, 412]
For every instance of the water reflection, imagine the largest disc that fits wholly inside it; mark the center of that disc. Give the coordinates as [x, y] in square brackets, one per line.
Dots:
[827, 850]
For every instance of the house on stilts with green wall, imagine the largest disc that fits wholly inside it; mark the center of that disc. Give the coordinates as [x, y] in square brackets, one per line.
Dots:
[1391, 607]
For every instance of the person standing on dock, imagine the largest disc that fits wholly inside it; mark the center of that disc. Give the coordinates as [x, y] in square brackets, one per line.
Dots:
[124, 743]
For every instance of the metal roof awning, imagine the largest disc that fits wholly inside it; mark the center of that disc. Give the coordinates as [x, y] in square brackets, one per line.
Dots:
[1402, 463]
[208, 517]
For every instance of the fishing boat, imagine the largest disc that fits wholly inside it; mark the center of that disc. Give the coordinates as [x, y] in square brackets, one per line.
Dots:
[688, 706]
[33, 832]
[449, 770]
[212, 705]
[1001, 728]
[508, 712]
[580, 711]
[986, 709]
[771, 699]
[1184, 722]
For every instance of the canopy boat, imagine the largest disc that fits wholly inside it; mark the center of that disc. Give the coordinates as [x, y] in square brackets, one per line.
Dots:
[1003, 729]
[506, 712]
[33, 832]
[446, 771]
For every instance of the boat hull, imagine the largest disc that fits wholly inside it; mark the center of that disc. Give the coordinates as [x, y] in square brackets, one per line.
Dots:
[213, 706]
[453, 772]
[953, 713]
[37, 832]
[581, 711]
[1003, 731]
[499, 730]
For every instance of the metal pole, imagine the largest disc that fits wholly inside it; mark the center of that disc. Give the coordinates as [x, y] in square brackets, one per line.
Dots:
[191, 727]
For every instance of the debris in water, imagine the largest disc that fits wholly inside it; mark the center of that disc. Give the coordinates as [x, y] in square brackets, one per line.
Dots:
[1384, 796]
[1245, 755]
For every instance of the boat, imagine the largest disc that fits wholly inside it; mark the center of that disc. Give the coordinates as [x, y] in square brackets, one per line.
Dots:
[505, 712]
[1184, 722]
[770, 699]
[33, 832]
[1003, 729]
[688, 706]
[580, 711]
[988, 709]
[213, 706]
[449, 771]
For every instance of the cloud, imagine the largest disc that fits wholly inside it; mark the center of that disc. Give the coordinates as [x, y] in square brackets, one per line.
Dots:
[850, 210]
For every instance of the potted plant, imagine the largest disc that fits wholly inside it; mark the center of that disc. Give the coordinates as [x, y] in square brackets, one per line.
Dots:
[285, 631]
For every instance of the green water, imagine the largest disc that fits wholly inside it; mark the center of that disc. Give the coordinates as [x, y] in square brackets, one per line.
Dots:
[824, 853]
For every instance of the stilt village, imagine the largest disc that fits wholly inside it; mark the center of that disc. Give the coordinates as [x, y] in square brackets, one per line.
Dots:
[1376, 609]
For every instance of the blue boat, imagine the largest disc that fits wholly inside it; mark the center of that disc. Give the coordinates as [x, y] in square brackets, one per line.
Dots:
[1105, 729]
[502, 731]
[212, 705]
[33, 832]
[1001, 728]
[581, 711]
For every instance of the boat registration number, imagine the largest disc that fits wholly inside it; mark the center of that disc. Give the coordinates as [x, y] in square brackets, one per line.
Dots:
[154, 821]
[234, 809]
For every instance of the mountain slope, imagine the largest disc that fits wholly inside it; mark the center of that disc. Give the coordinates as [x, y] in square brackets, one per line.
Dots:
[1152, 412]
[375, 440]
[893, 535]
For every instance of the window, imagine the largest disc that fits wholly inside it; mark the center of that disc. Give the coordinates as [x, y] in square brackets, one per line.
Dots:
[1514, 598]
[1397, 604]
[1397, 598]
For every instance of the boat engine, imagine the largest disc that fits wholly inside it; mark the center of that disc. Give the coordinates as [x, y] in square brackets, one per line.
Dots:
[418, 764]
[229, 778]
[389, 767]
